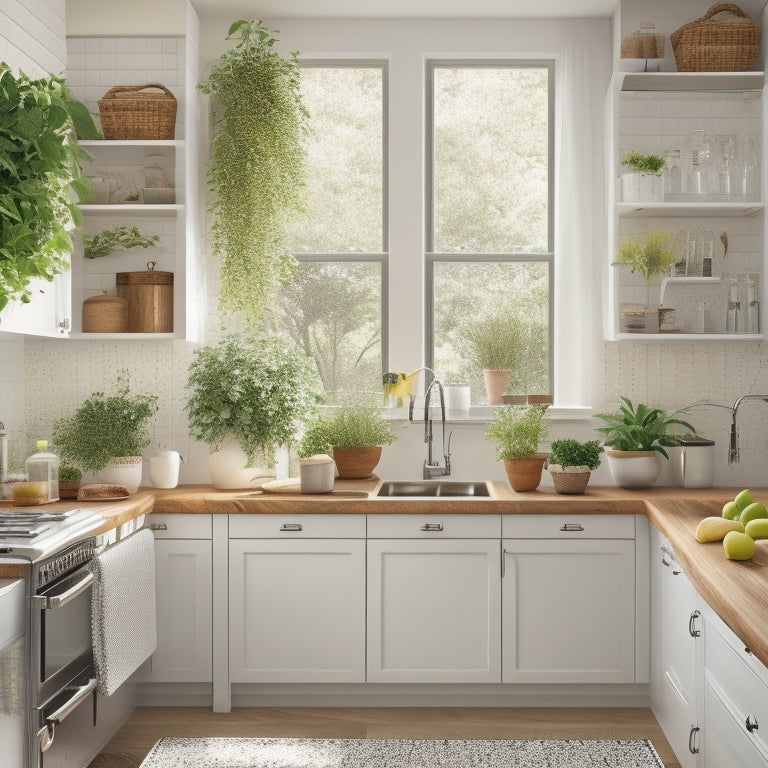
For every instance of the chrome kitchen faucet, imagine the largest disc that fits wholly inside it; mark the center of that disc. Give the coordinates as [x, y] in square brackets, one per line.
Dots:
[432, 468]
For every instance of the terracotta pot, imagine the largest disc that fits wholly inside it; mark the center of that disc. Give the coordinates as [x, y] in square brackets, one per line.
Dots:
[570, 482]
[524, 473]
[356, 463]
[634, 469]
[496, 381]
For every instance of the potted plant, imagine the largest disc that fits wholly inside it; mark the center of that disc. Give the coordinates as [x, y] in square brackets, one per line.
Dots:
[517, 432]
[40, 179]
[635, 438]
[495, 344]
[644, 182]
[69, 481]
[248, 395]
[107, 434]
[355, 436]
[256, 169]
[571, 464]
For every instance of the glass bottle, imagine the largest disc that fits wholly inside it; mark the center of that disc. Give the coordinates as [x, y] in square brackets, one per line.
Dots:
[732, 320]
[749, 303]
[43, 467]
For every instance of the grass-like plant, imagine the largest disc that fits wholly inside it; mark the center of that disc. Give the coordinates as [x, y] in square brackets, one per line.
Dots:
[354, 426]
[517, 430]
[256, 169]
[120, 238]
[640, 163]
[256, 390]
[650, 255]
[40, 179]
[495, 341]
[642, 428]
[568, 452]
[105, 427]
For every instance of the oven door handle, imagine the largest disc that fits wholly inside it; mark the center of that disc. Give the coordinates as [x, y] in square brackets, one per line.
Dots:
[57, 601]
[47, 733]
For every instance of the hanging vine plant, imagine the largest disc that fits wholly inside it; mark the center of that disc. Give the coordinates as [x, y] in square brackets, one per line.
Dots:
[256, 168]
[40, 179]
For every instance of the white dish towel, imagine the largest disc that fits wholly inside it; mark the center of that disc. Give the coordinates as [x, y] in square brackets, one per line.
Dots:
[123, 619]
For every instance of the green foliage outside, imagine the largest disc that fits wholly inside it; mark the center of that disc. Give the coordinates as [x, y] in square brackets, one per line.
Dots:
[105, 427]
[40, 179]
[517, 430]
[641, 428]
[256, 168]
[253, 389]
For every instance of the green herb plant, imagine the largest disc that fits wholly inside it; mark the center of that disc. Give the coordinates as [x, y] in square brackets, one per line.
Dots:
[495, 342]
[642, 428]
[640, 163]
[649, 255]
[256, 169]
[40, 179]
[68, 474]
[568, 452]
[253, 389]
[120, 238]
[354, 426]
[517, 430]
[105, 427]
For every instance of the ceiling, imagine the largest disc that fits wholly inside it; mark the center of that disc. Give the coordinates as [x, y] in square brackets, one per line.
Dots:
[404, 8]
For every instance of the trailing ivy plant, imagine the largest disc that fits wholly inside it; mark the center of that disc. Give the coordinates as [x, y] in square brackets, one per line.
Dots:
[40, 179]
[120, 238]
[256, 168]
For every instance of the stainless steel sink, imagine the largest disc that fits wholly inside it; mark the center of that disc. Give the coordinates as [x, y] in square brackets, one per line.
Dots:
[430, 489]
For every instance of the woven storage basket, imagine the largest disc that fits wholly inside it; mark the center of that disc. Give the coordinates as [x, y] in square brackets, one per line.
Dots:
[138, 112]
[730, 44]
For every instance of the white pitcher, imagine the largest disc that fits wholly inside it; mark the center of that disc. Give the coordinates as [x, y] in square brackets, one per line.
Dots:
[164, 469]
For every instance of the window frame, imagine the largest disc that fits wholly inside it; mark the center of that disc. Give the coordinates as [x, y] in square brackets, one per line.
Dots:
[431, 257]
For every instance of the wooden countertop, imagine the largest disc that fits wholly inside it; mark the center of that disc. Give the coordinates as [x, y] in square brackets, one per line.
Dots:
[737, 591]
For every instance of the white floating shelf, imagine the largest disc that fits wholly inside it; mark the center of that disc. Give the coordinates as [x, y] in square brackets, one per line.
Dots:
[679, 210]
[691, 81]
[135, 209]
[130, 142]
[665, 281]
[690, 337]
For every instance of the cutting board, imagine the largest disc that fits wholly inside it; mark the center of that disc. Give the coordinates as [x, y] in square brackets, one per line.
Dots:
[293, 485]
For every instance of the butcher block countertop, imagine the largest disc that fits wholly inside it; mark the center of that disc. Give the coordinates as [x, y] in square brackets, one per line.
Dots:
[737, 591]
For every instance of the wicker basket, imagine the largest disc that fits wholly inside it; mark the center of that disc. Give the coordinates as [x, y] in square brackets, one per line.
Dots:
[138, 112]
[730, 44]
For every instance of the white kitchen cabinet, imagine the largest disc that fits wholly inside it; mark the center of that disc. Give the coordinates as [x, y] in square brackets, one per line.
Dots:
[49, 313]
[433, 599]
[184, 578]
[676, 627]
[297, 599]
[568, 599]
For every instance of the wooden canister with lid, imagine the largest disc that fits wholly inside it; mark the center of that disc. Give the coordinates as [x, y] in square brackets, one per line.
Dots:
[105, 313]
[150, 299]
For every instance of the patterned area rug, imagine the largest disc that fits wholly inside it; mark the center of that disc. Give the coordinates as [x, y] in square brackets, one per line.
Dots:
[399, 753]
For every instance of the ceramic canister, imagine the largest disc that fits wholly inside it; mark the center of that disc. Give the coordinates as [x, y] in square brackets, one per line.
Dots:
[164, 469]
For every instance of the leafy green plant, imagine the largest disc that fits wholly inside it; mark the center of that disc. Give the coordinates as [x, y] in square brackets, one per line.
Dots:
[496, 341]
[568, 452]
[355, 426]
[68, 474]
[650, 255]
[517, 430]
[105, 427]
[640, 163]
[256, 169]
[253, 389]
[40, 179]
[641, 428]
[120, 238]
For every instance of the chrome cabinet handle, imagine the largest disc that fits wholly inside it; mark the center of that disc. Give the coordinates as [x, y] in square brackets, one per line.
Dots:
[692, 631]
[432, 527]
[751, 723]
[572, 527]
[291, 527]
[692, 748]
[158, 527]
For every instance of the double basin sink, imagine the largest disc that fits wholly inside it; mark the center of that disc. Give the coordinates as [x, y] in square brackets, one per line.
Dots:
[430, 489]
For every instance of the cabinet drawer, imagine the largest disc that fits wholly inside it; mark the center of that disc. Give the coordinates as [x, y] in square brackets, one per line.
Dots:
[568, 526]
[434, 526]
[168, 526]
[296, 526]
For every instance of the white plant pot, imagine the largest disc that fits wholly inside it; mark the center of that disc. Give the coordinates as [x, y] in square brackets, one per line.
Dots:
[634, 469]
[228, 468]
[122, 470]
[642, 188]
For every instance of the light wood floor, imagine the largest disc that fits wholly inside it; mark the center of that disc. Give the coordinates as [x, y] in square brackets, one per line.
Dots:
[147, 724]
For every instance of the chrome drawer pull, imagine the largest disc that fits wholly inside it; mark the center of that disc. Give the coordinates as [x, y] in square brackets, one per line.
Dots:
[692, 748]
[432, 527]
[158, 527]
[572, 527]
[692, 630]
[291, 527]
[751, 723]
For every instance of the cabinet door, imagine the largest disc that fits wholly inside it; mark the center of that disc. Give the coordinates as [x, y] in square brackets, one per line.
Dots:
[297, 610]
[676, 627]
[47, 314]
[433, 611]
[568, 611]
[183, 575]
